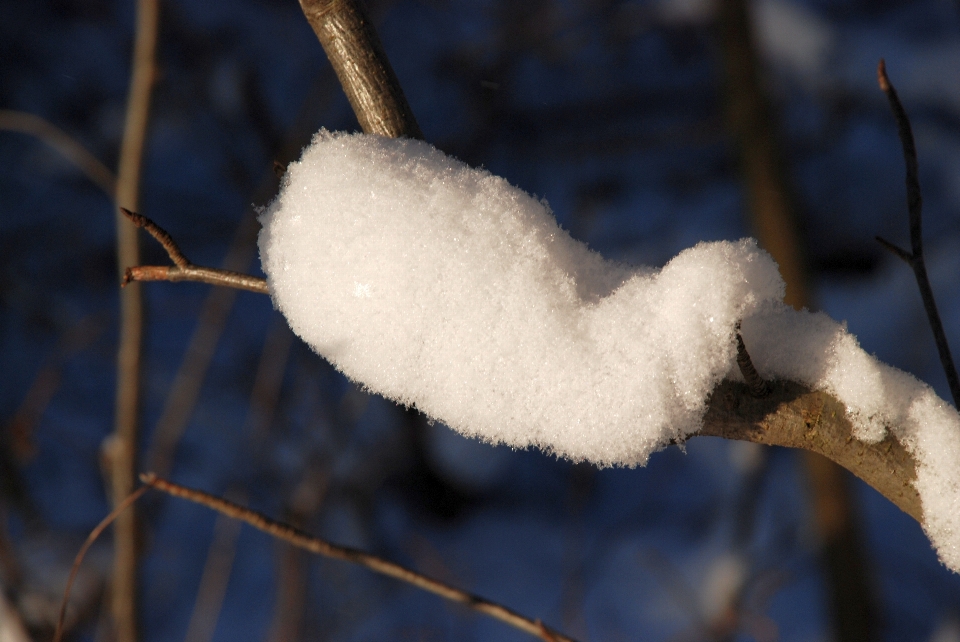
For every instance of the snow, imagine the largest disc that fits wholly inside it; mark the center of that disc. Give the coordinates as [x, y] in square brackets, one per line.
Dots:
[444, 287]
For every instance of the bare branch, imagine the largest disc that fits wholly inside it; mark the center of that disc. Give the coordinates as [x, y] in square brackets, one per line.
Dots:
[123, 444]
[915, 210]
[896, 250]
[376, 564]
[78, 560]
[213, 276]
[161, 235]
[26, 123]
[183, 269]
[354, 49]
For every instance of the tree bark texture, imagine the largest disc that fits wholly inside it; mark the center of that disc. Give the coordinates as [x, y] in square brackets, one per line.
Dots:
[351, 43]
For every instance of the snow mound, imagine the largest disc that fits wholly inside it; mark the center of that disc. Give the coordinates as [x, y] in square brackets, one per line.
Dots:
[444, 287]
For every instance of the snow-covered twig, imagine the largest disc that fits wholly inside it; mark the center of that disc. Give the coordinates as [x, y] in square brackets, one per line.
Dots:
[914, 258]
[376, 564]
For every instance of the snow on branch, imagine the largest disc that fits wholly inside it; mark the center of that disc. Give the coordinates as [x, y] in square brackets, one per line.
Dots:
[443, 287]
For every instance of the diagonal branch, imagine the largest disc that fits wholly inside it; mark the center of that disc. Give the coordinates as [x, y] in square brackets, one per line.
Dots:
[351, 43]
[376, 564]
[915, 208]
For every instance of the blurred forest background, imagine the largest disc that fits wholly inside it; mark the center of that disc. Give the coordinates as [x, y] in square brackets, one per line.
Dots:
[618, 114]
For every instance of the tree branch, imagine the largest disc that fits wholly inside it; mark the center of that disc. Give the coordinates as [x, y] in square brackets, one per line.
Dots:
[122, 446]
[796, 417]
[772, 413]
[376, 564]
[915, 209]
[351, 43]
[183, 269]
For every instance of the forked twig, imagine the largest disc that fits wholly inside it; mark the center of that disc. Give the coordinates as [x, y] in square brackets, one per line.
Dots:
[915, 258]
[91, 538]
[183, 269]
[376, 564]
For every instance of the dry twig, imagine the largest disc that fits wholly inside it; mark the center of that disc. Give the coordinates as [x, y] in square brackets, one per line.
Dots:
[78, 560]
[183, 269]
[26, 123]
[376, 564]
[914, 258]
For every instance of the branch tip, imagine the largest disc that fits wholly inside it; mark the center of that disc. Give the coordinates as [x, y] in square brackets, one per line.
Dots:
[882, 79]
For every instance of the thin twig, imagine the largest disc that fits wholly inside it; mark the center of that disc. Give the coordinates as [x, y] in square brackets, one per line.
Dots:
[915, 208]
[183, 269]
[376, 564]
[161, 235]
[758, 386]
[91, 538]
[69, 147]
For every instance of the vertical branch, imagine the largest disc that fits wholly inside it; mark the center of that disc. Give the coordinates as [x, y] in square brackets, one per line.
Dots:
[915, 258]
[122, 448]
[752, 121]
[351, 43]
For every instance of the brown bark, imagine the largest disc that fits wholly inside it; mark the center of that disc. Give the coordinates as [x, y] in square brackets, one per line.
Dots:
[351, 43]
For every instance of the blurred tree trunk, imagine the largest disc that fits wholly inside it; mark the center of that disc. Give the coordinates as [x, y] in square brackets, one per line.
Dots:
[773, 215]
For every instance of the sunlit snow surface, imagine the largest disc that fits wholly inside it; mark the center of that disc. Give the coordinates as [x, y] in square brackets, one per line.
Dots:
[444, 287]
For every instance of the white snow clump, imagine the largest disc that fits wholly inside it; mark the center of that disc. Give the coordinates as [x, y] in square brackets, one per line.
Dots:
[442, 286]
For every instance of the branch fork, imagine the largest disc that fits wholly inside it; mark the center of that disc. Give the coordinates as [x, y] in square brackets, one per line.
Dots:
[183, 269]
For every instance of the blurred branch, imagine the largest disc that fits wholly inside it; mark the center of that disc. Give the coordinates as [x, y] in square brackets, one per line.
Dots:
[69, 147]
[915, 208]
[183, 270]
[122, 446]
[354, 49]
[213, 581]
[122, 506]
[376, 564]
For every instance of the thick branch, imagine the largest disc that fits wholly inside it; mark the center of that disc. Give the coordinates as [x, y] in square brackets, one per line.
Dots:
[376, 564]
[354, 49]
[796, 417]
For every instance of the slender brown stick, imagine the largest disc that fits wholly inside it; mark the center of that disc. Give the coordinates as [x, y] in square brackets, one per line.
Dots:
[69, 147]
[123, 444]
[183, 269]
[351, 43]
[915, 258]
[376, 564]
[78, 560]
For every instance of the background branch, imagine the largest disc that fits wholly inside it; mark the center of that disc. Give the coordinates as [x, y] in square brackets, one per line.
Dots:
[915, 209]
[121, 448]
[71, 149]
[376, 564]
